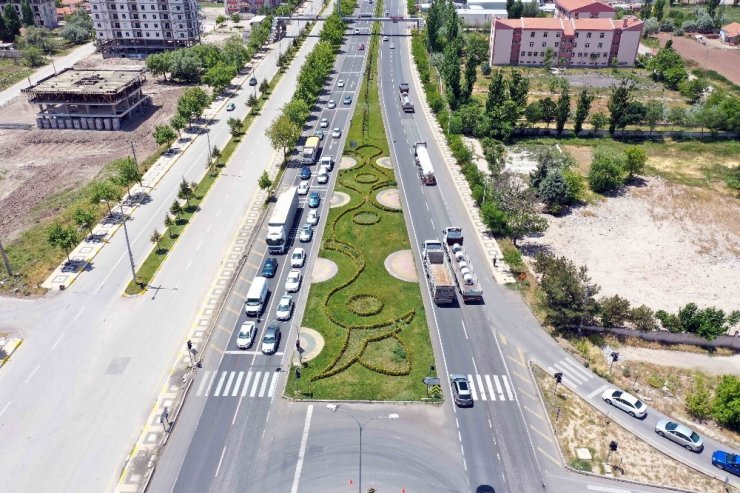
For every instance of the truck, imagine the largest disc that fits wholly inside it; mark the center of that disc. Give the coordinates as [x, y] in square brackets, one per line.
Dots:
[310, 150]
[403, 88]
[404, 98]
[424, 164]
[465, 278]
[281, 221]
[438, 272]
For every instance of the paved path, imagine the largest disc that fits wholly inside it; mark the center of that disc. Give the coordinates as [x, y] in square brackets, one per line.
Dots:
[713, 364]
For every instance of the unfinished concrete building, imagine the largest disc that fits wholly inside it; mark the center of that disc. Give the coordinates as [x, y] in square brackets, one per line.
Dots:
[88, 99]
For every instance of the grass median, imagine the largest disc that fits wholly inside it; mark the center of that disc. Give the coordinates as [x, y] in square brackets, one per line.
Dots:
[377, 344]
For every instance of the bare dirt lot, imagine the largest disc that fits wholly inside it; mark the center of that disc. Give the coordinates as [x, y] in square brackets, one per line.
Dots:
[36, 165]
[659, 244]
[722, 59]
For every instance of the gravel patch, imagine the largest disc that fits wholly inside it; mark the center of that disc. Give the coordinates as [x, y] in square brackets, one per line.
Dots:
[389, 198]
[400, 265]
[347, 162]
[323, 270]
[339, 199]
[385, 162]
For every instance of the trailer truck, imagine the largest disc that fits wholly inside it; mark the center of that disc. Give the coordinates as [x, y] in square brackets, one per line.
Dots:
[310, 150]
[281, 221]
[424, 164]
[438, 272]
[465, 277]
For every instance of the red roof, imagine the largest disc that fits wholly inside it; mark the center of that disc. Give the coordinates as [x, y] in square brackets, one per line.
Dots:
[569, 26]
[732, 30]
[575, 5]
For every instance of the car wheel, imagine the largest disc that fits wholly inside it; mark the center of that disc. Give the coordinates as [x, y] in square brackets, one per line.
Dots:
[688, 447]
[632, 414]
[608, 401]
[661, 433]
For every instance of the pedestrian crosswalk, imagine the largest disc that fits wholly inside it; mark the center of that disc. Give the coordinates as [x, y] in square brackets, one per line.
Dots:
[491, 388]
[227, 383]
[574, 374]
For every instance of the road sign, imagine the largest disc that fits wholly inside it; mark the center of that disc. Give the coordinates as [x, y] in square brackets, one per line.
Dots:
[431, 380]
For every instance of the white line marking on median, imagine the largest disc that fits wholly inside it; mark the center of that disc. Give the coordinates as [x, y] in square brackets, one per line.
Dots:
[188, 266]
[33, 373]
[58, 340]
[79, 313]
[5, 408]
[202, 384]
[302, 451]
[220, 461]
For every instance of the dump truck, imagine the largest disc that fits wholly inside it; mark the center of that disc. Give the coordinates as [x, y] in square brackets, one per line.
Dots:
[310, 150]
[281, 221]
[465, 278]
[438, 272]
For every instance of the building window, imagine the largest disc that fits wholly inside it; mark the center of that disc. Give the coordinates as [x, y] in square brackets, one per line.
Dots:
[576, 35]
[544, 45]
[531, 35]
[146, 26]
[156, 26]
[147, 35]
[588, 44]
[588, 35]
[182, 35]
[601, 35]
[143, 16]
[522, 53]
[531, 44]
[152, 8]
[97, 16]
[600, 45]
[557, 35]
[95, 7]
[605, 55]
[556, 45]
[169, 34]
[123, 16]
[535, 53]
[529, 53]
[157, 34]
[544, 35]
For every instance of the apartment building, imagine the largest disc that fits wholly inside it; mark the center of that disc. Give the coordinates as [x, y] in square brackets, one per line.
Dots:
[583, 9]
[138, 27]
[245, 6]
[572, 42]
[44, 11]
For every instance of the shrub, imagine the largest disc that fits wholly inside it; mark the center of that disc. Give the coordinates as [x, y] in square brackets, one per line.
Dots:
[726, 402]
[643, 318]
[606, 171]
[698, 399]
[614, 311]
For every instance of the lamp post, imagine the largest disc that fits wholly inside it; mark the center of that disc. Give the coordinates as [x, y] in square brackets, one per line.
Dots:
[128, 246]
[208, 137]
[361, 426]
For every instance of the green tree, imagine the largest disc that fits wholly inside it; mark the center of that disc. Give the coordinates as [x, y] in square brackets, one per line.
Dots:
[677, 116]
[234, 52]
[264, 181]
[127, 172]
[4, 34]
[619, 102]
[497, 92]
[554, 191]
[85, 218]
[192, 103]
[168, 224]
[533, 113]
[164, 134]
[235, 18]
[104, 191]
[156, 237]
[606, 171]
[598, 121]
[548, 58]
[235, 125]
[12, 21]
[614, 311]
[158, 64]
[659, 9]
[698, 400]
[264, 87]
[583, 106]
[516, 10]
[693, 89]
[33, 56]
[549, 110]
[562, 113]
[451, 75]
[654, 113]
[65, 238]
[283, 134]
[471, 73]
[26, 13]
[519, 89]
[635, 161]
[219, 77]
[185, 192]
[176, 209]
[477, 46]
[220, 19]
[78, 28]
[184, 65]
[297, 111]
[643, 318]
[177, 122]
[726, 402]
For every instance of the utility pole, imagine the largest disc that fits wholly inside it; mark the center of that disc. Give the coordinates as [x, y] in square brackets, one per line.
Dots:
[133, 151]
[128, 246]
[8, 267]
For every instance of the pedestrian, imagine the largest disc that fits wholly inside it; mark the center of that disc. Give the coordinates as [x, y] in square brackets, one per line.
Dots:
[494, 261]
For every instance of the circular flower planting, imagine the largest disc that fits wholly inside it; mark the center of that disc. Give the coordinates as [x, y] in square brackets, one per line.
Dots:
[366, 218]
[364, 305]
[366, 178]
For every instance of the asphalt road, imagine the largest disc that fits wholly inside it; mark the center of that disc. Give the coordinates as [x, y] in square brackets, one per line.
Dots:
[76, 393]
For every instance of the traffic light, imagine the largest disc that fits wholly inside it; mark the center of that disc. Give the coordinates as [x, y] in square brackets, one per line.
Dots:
[559, 377]
[190, 345]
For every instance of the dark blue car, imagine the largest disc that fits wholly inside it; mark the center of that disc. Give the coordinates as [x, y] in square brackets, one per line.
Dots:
[726, 461]
[269, 268]
[314, 200]
[305, 173]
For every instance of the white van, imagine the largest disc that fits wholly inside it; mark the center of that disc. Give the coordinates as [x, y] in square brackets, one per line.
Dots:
[256, 297]
[327, 161]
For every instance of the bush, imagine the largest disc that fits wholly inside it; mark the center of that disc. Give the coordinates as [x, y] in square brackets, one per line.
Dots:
[643, 318]
[614, 311]
[485, 68]
[726, 402]
[698, 399]
[606, 172]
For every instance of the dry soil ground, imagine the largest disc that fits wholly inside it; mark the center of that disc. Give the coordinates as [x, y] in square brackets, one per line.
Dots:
[37, 165]
[712, 56]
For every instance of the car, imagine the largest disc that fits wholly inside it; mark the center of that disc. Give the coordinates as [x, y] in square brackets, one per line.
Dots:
[626, 402]
[319, 134]
[285, 308]
[385, 38]
[324, 123]
[386, 12]
[314, 200]
[269, 268]
[306, 233]
[303, 188]
[298, 257]
[252, 82]
[331, 104]
[245, 336]
[271, 340]
[340, 83]
[293, 282]
[392, 46]
[681, 434]
[357, 31]
[336, 133]
[230, 107]
[347, 100]
[305, 173]
[461, 390]
[313, 217]
[726, 461]
[322, 178]
[362, 47]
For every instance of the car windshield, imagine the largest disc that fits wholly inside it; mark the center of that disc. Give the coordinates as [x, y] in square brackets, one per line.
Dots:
[244, 333]
[297, 256]
[731, 459]
[695, 437]
[269, 338]
[639, 404]
[284, 305]
[671, 426]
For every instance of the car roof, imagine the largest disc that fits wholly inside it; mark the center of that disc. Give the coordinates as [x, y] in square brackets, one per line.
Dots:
[272, 329]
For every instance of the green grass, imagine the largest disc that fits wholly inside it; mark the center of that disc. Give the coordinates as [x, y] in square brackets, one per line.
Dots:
[12, 72]
[355, 355]
[732, 14]
[651, 42]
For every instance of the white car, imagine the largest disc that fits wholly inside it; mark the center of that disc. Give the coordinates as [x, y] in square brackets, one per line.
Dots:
[303, 188]
[392, 47]
[340, 83]
[306, 233]
[626, 402]
[246, 335]
[336, 133]
[331, 104]
[324, 123]
[298, 258]
[293, 282]
[285, 308]
[322, 178]
[385, 38]
[313, 217]
[357, 31]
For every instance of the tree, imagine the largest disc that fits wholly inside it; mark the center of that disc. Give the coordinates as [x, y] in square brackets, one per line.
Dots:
[26, 13]
[606, 171]
[234, 52]
[677, 116]
[104, 191]
[533, 112]
[185, 192]
[562, 113]
[127, 172]
[451, 75]
[252, 101]
[547, 60]
[192, 103]
[477, 46]
[549, 110]
[264, 181]
[168, 223]
[497, 92]
[726, 402]
[693, 89]
[598, 121]
[85, 218]
[654, 113]
[635, 162]
[4, 35]
[698, 400]
[219, 77]
[177, 122]
[12, 21]
[164, 134]
[659, 9]
[78, 28]
[519, 89]
[651, 27]
[554, 191]
[618, 105]
[471, 73]
[297, 111]
[235, 125]
[516, 10]
[614, 311]
[63, 237]
[220, 19]
[643, 318]
[176, 209]
[264, 87]
[531, 9]
[155, 237]
[33, 57]
[283, 134]
[707, 323]
[184, 65]
[583, 106]
[235, 18]
[158, 64]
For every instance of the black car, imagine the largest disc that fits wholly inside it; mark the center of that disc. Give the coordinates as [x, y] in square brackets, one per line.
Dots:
[270, 267]
[252, 81]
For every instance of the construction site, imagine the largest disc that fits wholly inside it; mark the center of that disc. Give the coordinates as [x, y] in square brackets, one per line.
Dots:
[88, 99]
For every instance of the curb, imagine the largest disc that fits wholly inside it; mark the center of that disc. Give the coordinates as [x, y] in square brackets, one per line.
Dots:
[16, 342]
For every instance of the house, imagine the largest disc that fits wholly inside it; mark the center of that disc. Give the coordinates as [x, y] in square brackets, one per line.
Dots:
[730, 34]
[568, 42]
[583, 9]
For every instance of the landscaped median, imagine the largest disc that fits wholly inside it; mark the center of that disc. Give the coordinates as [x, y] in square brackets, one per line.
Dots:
[377, 344]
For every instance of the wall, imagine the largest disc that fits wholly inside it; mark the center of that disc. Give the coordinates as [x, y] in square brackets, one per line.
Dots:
[668, 337]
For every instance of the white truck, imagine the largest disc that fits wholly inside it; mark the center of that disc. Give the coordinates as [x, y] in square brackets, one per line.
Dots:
[424, 164]
[438, 272]
[310, 150]
[281, 220]
[465, 277]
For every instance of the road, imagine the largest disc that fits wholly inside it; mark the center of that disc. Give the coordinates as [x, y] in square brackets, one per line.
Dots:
[76, 393]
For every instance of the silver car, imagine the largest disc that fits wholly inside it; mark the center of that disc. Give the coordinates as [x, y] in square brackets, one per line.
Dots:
[681, 434]
[246, 335]
[626, 402]
[285, 308]
[271, 340]
[293, 282]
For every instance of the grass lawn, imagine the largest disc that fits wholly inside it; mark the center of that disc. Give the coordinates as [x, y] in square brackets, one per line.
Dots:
[12, 71]
[377, 343]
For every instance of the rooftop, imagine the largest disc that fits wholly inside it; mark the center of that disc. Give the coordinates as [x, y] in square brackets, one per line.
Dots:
[87, 82]
[572, 5]
[732, 29]
[569, 25]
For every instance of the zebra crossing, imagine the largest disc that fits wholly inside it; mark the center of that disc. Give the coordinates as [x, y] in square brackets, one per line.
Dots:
[491, 388]
[226, 383]
[574, 374]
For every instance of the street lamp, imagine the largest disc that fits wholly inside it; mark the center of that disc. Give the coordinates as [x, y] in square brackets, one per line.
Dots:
[361, 426]
[128, 245]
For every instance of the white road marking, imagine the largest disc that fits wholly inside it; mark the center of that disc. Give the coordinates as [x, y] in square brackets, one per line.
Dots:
[253, 392]
[202, 383]
[5, 408]
[228, 383]
[465, 331]
[219, 461]
[188, 266]
[79, 313]
[598, 391]
[507, 387]
[498, 387]
[490, 388]
[273, 384]
[32, 373]
[480, 386]
[237, 384]
[264, 384]
[58, 340]
[220, 384]
[302, 450]
[210, 384]
[246, 383]
[199, 245]
[244, 353]
[472, 387]
[605, 489]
